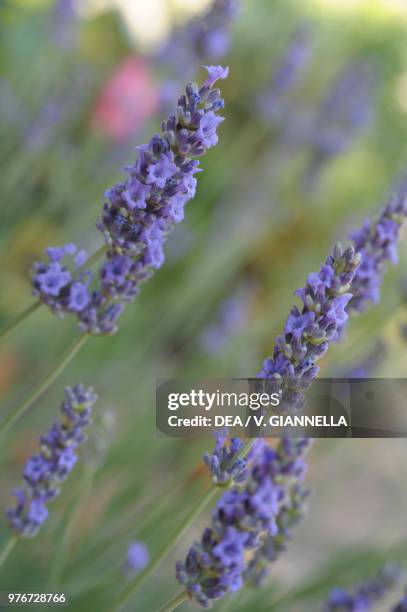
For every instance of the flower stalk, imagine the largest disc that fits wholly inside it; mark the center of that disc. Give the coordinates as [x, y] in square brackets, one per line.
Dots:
[173, 603]
[25, 314]
[139, 580]
[7, 550]
[20, 410]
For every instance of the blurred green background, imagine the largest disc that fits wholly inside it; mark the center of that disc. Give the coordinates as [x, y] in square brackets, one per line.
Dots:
[250, 237]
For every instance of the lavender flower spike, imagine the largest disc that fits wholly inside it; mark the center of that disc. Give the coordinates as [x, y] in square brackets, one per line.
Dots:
[142, 210]
[272, 102]
[309, 330]
[365, 596]
[377, 243]
[344, 114]
[203, 38]
[45, 471]
[206, 573]
[140, 213]
[243, 517]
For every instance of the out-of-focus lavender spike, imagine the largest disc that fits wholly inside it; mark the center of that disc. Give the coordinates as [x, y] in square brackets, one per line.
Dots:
[64, 24]
[232, 316]
[45, 471]
[369, 364]
[272, 102]
[11, 110]
[57, 113]
[208, 36]
[41, 131]
[377, 243]
[202, 39]
[344, 115]
[366, 595]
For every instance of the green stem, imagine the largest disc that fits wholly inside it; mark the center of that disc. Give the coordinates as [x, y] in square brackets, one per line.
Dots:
[94, 258]
[139, 580]
[174, 602]
[15, 414]
[7, 550]
[147, 514]
[19, 318]
[165, 549]
[62, 549]
[33, 307]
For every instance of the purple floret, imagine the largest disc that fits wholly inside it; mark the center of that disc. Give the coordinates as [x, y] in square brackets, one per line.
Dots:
[61, 283]
[53, 279]
[224, 463]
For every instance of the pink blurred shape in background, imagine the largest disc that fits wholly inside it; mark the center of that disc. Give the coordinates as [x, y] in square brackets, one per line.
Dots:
[127, 99]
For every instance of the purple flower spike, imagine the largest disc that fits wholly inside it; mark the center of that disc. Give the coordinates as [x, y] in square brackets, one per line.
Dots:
[142, 210]
[244, 518]
[377, 243]
[44, 472]
[137, 217]
[267, 509]
[365, 596]
[272, 102]
[230, 319]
